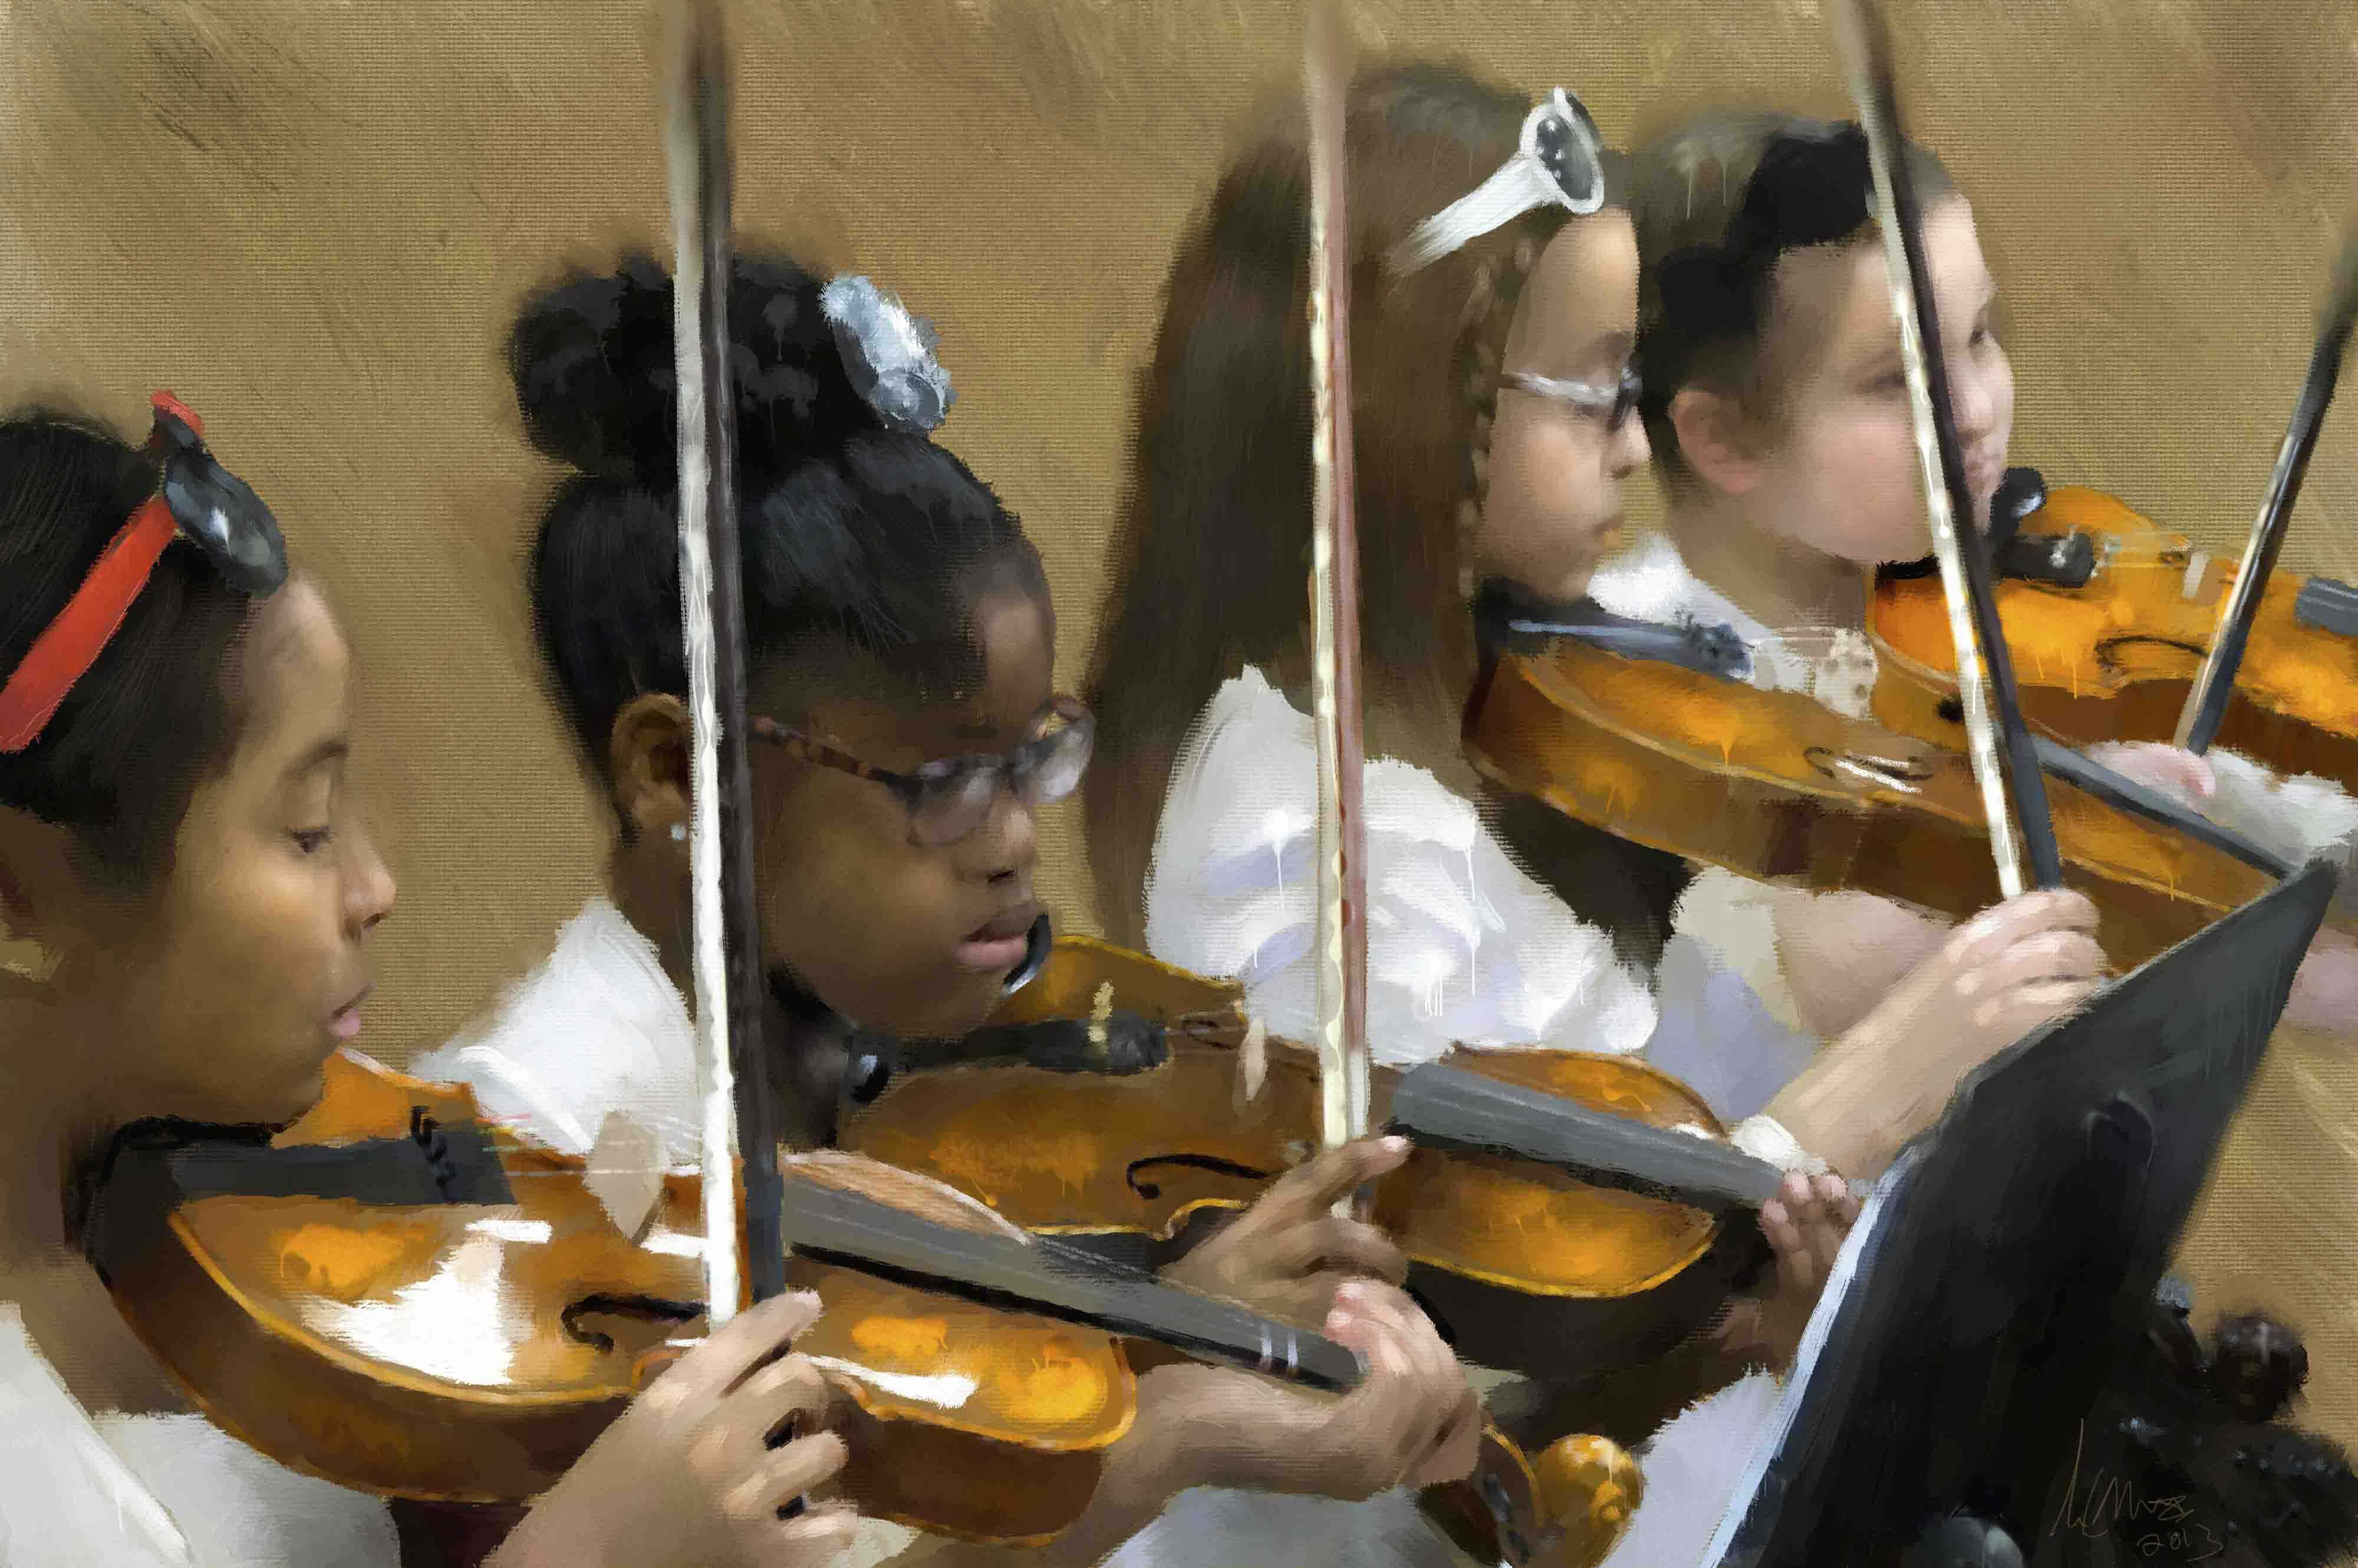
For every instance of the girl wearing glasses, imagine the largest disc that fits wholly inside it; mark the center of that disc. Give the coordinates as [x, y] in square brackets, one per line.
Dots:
[1493, 324]
[185, 899]
[1202, 804]
[901, 637]
[1778, 414]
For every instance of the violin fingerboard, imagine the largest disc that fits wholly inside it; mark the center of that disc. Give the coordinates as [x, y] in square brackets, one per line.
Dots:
[1447, 1107]
[1043, 1279]
[2328, 605]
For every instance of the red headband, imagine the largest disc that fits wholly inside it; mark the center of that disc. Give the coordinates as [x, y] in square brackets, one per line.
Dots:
[63, 653]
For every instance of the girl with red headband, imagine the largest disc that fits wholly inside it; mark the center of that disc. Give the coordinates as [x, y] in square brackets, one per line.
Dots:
[185, 899]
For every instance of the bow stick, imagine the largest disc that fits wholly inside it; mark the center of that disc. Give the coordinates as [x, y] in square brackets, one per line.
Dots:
[2206, 704]
[1986, 680]
[727, 917]
[1335, 603]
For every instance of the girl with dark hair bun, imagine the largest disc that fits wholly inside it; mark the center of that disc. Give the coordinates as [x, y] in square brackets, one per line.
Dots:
[900, 641]
[186, 899]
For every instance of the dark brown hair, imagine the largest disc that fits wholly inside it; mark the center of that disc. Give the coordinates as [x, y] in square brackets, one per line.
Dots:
[856, 536]
[158, 711]
[1688, 186]
[1211, 566]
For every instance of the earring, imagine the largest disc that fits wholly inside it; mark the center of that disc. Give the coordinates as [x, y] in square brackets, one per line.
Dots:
[24, 956]
[21, 955]
[679, 832]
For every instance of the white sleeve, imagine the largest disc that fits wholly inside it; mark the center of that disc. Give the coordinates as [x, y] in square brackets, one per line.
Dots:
[1463, 946]
[1733, 921]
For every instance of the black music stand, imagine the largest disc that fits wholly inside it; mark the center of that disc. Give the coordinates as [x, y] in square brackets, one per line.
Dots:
[2010, 1256]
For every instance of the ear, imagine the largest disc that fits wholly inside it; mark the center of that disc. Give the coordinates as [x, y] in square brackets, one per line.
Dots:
[37, 891]
[646, 758]
[1715, 440]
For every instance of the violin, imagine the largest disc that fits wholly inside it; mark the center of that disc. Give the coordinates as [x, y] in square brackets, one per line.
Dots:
[393, 1296]
[1650, 733]
[396, 1297]
[1564, 1214]
[2113, 617]
[2131, 633]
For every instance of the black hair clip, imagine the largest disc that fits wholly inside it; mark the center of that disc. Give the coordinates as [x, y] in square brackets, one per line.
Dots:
[1809, 188]
[212, 508]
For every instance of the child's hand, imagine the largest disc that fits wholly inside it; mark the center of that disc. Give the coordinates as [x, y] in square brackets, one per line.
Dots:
[2009, 970]
[687, 1477]
[1288, 1254]
[1805, 1223]
[2184, 777]
[1412, 1420]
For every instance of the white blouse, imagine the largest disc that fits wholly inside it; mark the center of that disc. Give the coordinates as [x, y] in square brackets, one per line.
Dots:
[1463, 948]
[158, 1491]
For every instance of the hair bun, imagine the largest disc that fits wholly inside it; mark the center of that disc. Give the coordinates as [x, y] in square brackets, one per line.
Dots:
[593, 362]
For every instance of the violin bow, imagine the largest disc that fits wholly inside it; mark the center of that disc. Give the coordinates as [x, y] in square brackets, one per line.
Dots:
[2206, 704]
[2005, 762]
[727, 917]
[1334, 601]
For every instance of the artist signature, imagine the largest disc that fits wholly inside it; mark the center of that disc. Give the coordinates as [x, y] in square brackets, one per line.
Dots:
[2167, 1530]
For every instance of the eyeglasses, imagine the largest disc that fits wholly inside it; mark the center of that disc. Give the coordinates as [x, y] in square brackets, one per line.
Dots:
[195, 499]
[951, 797]
[1612, 404]
[1560, 162]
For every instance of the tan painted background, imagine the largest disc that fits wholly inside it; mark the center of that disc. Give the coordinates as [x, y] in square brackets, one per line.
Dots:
[311, 218]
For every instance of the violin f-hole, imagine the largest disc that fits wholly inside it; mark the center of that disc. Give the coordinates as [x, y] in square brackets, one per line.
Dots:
[652, 1309]
[2107, 650]
[1150, 1191]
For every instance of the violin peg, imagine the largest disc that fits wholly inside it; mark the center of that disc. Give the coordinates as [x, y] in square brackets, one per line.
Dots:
[2257, 1364]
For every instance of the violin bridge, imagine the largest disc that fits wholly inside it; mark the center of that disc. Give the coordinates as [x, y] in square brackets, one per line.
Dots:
[624, 1172]
[1100, 1015]
[1252, 1063]
[2198, 567]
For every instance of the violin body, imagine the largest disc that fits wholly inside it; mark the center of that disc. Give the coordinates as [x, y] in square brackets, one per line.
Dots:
[1776, 786]
[440, 1351]
[2113, 657]
[1528, 1269]
[461, 1354]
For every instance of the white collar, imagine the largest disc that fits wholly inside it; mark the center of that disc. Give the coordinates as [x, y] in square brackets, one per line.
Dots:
[1651, 581]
